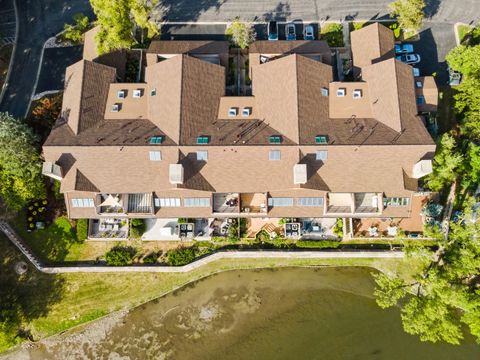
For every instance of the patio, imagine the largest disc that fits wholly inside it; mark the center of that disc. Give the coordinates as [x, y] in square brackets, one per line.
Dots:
[108, 228]
[270, 225]
[412, 224]
[172, 230]
[253, 203]
[318, 228]
[226, 203]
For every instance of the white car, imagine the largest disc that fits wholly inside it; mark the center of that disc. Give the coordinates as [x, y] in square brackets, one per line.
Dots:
[308, 33]
[409, 58]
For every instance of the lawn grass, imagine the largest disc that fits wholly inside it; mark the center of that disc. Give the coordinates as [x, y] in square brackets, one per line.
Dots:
[332, 33]
[73, 299]
[462, 31]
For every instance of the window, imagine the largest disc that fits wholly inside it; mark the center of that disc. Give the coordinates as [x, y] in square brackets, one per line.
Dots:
[321, 139]
[155, 156]
[418, 84]
[274, 155]
[153, 92]
[202, 155]
[83, 203]
[202, 140]
[324, 91]
[167, 202]
[420, 100]
[196, 202]
[280, 201]
[275, 139]
[156, 139]
[310, 201]
[321, 155]
[395, 201]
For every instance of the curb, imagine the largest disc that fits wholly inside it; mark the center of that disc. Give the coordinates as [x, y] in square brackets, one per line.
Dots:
[12, 57]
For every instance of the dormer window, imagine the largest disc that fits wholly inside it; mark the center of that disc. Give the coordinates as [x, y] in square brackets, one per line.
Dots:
[137, 93]
[246, 111]
[324, 91]
[115, 108]
[121, 94]
[153, 92]
[202, 140]
[418, 84]
[275, 139]
[321, 139]
[232, 112]
[357, 93]
[420, 100]
[341, 92]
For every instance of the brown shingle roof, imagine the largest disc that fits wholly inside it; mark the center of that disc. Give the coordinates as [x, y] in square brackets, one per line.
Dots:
[186, 47]
[86, 89]
[83, 184]
[288, 47]
[371, 44]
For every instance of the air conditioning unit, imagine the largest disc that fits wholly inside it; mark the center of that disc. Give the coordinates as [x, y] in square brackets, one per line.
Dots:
[357, 94]
[341, 92]
[246, 111]
[137, 93]
[232, 112]
[121, 94]
[115, 107]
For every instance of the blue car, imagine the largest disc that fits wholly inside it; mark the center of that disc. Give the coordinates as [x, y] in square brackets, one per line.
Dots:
[290, 31]
[272, 31]
[403, 48]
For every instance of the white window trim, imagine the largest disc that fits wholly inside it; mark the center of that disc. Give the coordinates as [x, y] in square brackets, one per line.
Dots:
[155, 155]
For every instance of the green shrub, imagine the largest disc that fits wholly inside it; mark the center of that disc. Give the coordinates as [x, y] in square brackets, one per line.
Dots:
[338, 228]
[82, 229]
[56, 190]
[318, 244]
[181, 256]
[332, 33]
[151, 258]
[137, 228]
[262, 236]
[120, 255]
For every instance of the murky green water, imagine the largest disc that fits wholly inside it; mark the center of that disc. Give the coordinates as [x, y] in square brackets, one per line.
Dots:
[267, 314]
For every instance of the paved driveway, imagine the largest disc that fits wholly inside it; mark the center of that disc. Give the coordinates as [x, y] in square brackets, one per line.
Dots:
[7, 22]
[38, 20]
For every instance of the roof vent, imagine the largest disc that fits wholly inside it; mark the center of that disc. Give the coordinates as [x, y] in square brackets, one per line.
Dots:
[246, 111]
[153, 92]
[300, 173]
[419, 84]
[232, 112]
[341, 92]
[357, 93]
[263, 59]
[52, 170]
[324, 91]
[175, 173]
[137, 93]
[121, 94]
[115, 107]
[422, 168]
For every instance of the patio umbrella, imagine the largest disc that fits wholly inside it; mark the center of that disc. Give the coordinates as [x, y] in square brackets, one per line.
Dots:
[111, 201]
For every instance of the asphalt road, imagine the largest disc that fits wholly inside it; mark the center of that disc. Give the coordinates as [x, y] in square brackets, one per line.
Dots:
[7, 21]
[39, 20]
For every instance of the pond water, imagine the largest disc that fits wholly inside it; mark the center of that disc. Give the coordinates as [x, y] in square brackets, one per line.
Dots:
[293, 313]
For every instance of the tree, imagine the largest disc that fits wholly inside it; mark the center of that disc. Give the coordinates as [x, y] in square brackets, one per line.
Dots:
[118, 19]
[443, 293]
[409, 13]
[20, 165]
[445, 163]
[465, 60]
[240, 34]
[120, 255]
[74, 32]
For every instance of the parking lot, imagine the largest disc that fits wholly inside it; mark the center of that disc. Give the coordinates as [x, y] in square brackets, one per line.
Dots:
[7, 22]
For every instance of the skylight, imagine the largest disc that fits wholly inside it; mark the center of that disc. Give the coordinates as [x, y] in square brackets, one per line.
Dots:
[156, 139]
[275, 139]
[201, 140]
[321, 139]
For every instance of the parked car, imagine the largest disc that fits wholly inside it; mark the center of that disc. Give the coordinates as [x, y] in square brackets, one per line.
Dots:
[416, 72]
[272, 30]
[454, 77]
[308, 33]
[409, 58]
[403, 48]
[290, 31]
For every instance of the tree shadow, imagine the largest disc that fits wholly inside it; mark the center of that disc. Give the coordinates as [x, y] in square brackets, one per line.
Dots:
[186, 10]
[26, 297]
[431, 8]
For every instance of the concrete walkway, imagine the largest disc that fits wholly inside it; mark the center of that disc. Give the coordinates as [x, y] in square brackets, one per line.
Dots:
[18, 242]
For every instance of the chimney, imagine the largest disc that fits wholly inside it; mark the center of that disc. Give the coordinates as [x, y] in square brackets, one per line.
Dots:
[176, 174]
[300, 173]
[52, 170]
[422, 168]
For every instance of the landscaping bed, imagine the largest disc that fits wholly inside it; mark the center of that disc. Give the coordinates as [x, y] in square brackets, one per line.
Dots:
[332, 33]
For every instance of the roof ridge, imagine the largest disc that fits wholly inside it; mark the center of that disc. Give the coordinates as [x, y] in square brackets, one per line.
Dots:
[84, 64]
[182, 72]
[297, 139]
[397, 92]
